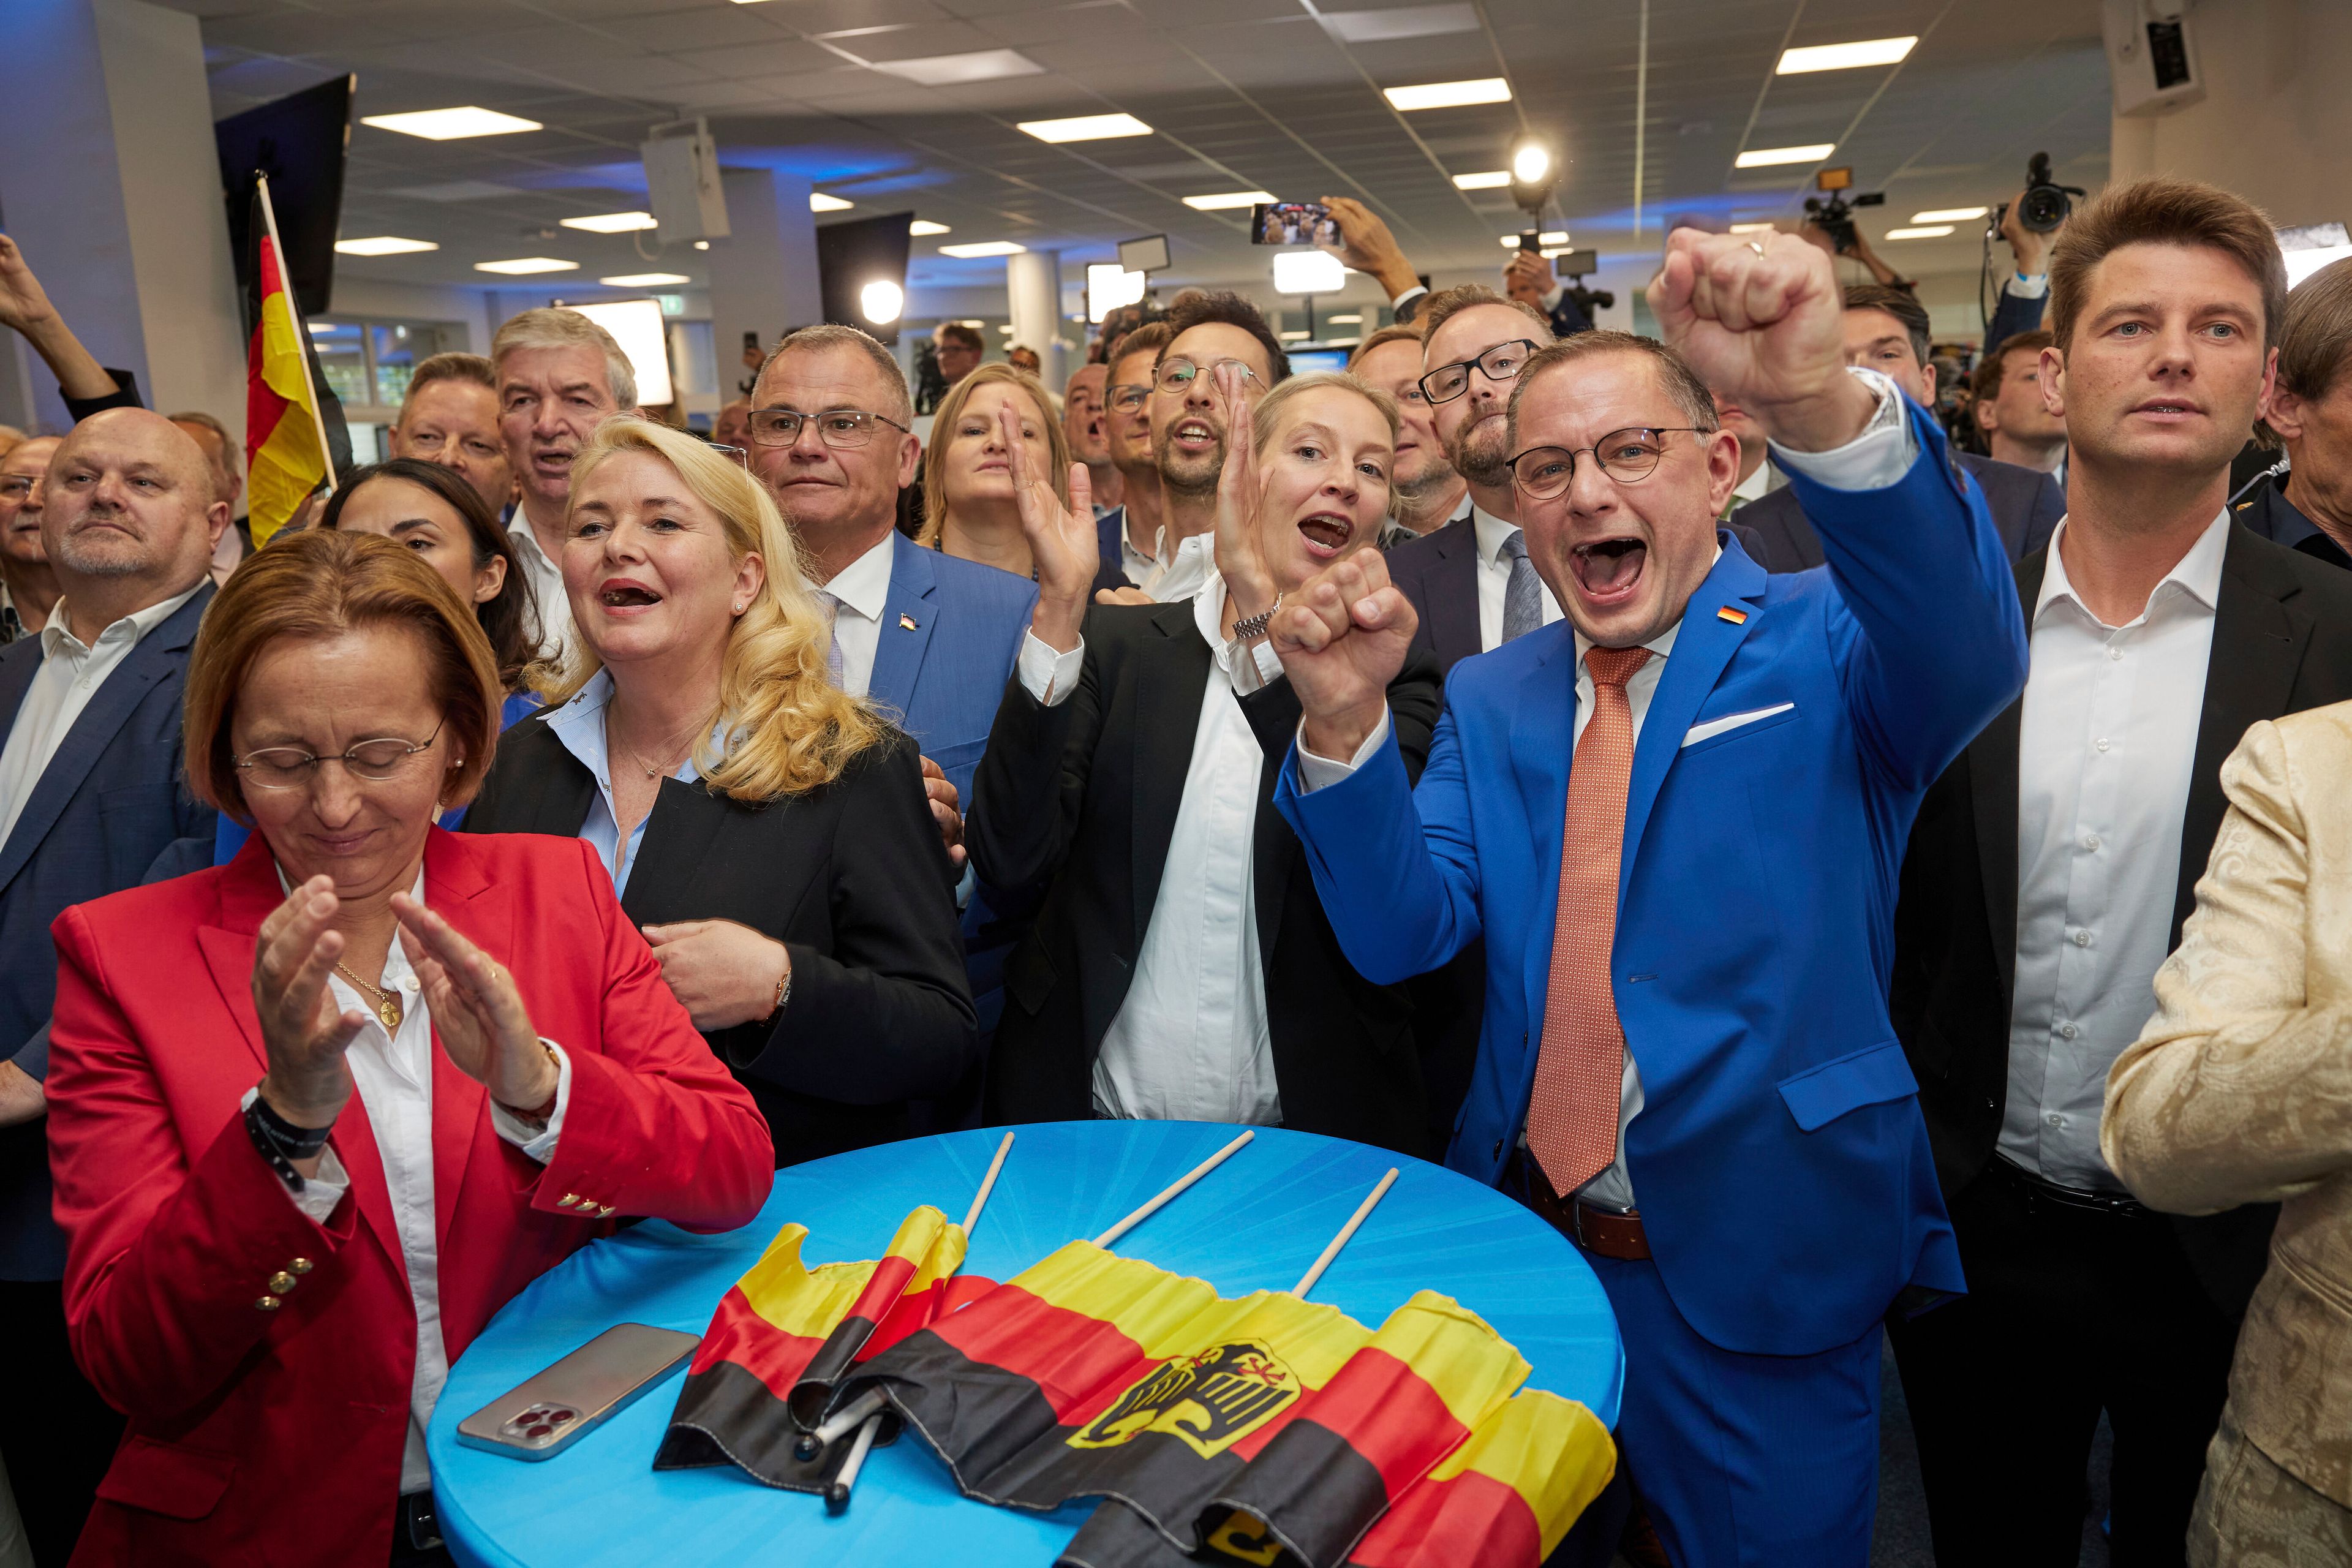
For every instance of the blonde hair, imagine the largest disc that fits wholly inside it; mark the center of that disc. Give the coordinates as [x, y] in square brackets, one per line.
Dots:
[935, 460]
[787, 729]
[1262, 418]
[554, 327]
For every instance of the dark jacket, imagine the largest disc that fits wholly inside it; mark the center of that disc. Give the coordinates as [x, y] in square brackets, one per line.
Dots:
[852, 879]
[2267, 514]
[113, 797]
[1075, 806]
[2026, 505]
[2282, 642]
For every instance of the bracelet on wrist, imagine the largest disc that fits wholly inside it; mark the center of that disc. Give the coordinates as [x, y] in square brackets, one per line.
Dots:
[1249, 628]
[279, 1141]
[783, 994]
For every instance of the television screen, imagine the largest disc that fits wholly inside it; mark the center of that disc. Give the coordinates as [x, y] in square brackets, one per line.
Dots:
[1317, 359]
[298, 143]
[637, 326]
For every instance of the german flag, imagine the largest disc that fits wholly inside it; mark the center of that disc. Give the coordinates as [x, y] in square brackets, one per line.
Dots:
[294, 432]
[1504, 1498]
[1091, 1375]
[782, 1322]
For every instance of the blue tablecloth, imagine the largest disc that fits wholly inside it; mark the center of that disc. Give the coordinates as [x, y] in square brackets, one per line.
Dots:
[1256, 1222]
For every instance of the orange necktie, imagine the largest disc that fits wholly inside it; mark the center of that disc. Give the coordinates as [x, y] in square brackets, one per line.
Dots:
[1580, 1076]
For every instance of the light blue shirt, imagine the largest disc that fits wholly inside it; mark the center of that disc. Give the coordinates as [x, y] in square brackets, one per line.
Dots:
[579, 725]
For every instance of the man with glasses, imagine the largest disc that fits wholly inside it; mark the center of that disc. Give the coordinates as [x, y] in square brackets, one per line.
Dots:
[926, 634]
[1425, 493]
[1677, 823]
[91, 793]
[1129, 532]
[28, 583]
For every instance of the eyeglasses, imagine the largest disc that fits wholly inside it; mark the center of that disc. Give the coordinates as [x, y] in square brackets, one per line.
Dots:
[843, 429]
[1632, 453]
[1501, 362]
[1127, 398]
[290, 767]
[16, 487]
[737, 455]
[1176, 375]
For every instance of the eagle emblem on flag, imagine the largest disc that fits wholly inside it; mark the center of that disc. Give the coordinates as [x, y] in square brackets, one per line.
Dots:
[1211, 1400]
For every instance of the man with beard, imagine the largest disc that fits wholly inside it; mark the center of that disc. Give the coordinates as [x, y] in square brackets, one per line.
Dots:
[1085, 422]
[90, 794]
[1424, 493]
[560, 376]
[28, 583]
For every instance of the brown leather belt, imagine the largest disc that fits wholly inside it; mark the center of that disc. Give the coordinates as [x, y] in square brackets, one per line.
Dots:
[1618, 1236]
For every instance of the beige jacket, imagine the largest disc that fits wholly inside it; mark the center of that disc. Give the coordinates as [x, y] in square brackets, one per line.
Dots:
[2239, 1088]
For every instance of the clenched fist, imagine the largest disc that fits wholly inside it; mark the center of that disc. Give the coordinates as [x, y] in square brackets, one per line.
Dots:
[1341, 639]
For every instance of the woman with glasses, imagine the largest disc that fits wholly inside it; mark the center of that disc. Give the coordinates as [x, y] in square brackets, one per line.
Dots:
[315, 1115]
[969, 507]
[768, 832]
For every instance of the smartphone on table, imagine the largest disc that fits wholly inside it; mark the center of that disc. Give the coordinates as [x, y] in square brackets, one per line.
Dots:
[545, 1414]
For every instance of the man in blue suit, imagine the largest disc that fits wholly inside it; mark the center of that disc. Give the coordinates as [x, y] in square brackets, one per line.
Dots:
[928, 636]
[90, 792]
[1677, 821]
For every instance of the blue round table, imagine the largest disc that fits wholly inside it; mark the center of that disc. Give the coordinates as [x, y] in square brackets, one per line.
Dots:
[1254, 1223]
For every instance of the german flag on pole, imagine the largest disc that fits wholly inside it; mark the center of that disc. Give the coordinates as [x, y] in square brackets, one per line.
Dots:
[295, 437]
[779, 1323]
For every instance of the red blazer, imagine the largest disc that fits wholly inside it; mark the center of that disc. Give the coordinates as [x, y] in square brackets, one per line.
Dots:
[274, 1437]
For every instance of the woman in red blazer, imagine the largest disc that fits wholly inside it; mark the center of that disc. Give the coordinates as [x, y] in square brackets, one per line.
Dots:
[315, 1114]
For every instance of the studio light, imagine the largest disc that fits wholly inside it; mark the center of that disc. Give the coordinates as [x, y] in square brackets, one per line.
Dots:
[820, 202]
[1308, 272]
[1531, 164]
[1534, 173]
[524, 266]
[881, 301]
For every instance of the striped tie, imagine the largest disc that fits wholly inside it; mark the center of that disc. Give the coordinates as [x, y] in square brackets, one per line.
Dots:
[833, 630]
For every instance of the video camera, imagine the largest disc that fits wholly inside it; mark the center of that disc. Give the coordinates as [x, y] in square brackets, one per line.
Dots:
[1573, 269]
[2046, 204]
[1833, 213]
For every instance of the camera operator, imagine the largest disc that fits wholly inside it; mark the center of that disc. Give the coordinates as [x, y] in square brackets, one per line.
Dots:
[2309, 508]
[1531, 278]
[1846, 240]
[2029, 222]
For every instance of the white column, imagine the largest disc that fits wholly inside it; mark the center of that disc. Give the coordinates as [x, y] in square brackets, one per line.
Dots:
[763, 279]
[1033, 286]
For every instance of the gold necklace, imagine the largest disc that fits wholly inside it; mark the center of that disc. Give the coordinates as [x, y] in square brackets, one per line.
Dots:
[387, 1003]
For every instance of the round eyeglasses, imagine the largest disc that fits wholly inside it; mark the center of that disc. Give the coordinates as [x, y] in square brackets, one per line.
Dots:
[290, 767]
[1176, 375]
[1127, 398]
[843, 429]
[1542, 472]
[1501, 362]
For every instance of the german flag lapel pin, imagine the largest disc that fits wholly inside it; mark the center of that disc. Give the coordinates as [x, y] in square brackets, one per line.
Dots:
[1735, 617]
[907, 622]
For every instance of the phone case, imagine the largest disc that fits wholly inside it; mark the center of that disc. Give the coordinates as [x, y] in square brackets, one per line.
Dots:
[549, 1411]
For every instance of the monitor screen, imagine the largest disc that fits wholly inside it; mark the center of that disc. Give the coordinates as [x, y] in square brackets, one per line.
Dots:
[637, 326]
[298, 143]
[1304, 359]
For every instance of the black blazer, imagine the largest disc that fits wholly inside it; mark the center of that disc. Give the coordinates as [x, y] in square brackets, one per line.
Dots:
[852, 879]
[1074, 804]
[2026, 505]
[2281, 643]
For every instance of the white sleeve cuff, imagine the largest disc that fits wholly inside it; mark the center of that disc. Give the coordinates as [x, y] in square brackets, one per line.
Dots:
[1315, 772]
[2025, 286]
[1255, 668]
[1552, 299]
[1415, 292]
[966, 884]
[1872, 460]
[1048, 676]
[537, 1142]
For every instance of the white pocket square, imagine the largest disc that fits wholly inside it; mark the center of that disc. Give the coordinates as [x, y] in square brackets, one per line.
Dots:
[1713, 727]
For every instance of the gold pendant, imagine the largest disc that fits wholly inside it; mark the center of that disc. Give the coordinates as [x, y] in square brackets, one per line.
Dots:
[389, 1011]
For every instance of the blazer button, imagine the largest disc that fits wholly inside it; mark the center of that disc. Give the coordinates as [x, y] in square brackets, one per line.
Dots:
[281, 1282]
[567, 1200]
[300, 1265]
[268, 1304]
[603, 1209]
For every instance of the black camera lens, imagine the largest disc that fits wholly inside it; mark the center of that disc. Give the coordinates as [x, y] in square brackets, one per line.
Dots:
[2043, 208]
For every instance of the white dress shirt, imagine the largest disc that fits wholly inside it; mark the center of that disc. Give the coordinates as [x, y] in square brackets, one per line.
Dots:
[393, 1076]
[69, 676]
[553, 629]
[2106, 746]
[579, 725]
[1758, 484]
[861, 590]
[1495, 577]
[1171, 574]
[1191, 1041]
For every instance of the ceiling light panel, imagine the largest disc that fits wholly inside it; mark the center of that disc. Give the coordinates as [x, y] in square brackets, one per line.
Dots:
[925, 226]
[1400, 22]
[644, 280]
[450, 124]
[1933, 231]
[610, 223]
[1767, 157]
[1486, 180]
[1222, 200]
[982, 247]
[1549, 237]
[384, 245]
[1845, 57]
[1949, 215]
[1449, 94]
[523, 266]
[1085, 128]
[820, 202]
[954, 70]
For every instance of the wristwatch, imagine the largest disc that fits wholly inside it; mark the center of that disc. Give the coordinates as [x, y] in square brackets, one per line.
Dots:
[1251, 627]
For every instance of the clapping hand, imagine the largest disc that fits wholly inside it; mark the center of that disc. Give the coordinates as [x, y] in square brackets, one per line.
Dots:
[943, 798]
[1062, 539]
[303, 1033]
[1762, 322]
[1341, 639]
[1240, 493]
[476, 1011]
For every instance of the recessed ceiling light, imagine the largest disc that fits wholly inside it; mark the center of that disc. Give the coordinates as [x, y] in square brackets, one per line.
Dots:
[611, 223]
[1949, 215]
[1004, 326]
[1549, 237]
[524, 265]
[450, 124]
[1351, 321]
[1085, 128]
[1844, 56]
[1753, 227]
[1933, 231]
[1449, 94]
[982, 247]
[925, 226]
[953, 70]
[384, 245]
[974, 323]
[820, 202]
[1765, 157]
[1486, 180]
[701, 244]
[1291, 337]
[645, 280]
[1220, 201]
[319, 327]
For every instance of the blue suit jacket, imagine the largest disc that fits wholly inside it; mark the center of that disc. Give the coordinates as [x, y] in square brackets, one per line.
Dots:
[111, 800]
[1780, 1161]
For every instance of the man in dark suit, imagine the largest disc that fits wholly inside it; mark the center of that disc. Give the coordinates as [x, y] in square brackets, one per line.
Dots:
[90, 792]
[2048, 875]
[1886, 329]
[2309, 507]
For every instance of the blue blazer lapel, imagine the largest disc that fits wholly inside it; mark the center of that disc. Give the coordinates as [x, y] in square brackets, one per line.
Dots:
[899, 652]
[1543, 732]
[159, 653]
[1702, 648]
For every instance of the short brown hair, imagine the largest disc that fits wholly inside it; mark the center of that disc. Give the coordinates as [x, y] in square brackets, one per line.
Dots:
[2163, 211]
[1403, 332]
[321, 583]
[1446, 303]
[1148, 338]
[1990, 370]
[470, 368]
[1683, 384]
[957, 332]
[1203, 306]
[1904, 306]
